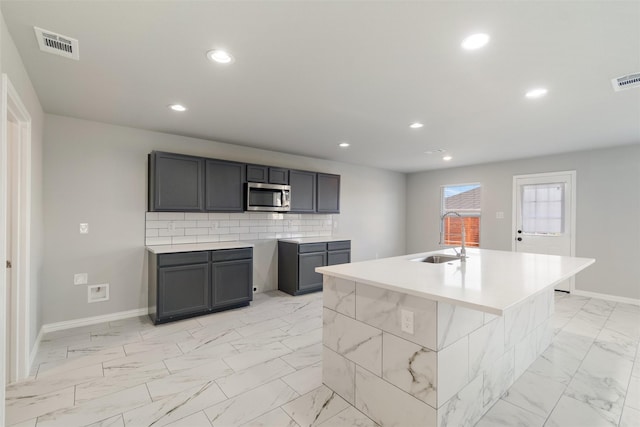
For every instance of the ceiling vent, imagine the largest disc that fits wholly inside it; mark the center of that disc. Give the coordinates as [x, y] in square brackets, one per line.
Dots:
[626, 82]
[57, 44]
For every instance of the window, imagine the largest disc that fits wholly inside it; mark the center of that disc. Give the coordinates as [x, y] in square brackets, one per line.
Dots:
[463, 199]
[542, 209]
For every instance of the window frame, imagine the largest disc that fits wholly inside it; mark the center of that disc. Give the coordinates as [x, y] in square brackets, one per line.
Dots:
[465, 213]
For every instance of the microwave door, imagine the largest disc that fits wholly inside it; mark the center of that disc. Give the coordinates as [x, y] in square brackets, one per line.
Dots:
[277, 198]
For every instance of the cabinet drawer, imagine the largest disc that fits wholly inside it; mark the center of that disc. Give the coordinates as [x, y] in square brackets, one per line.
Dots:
[337, 246]
[231, 254]
[312, 247]
[183, 258]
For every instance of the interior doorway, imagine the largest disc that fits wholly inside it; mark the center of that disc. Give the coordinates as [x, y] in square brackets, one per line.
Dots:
[544, 215]
[15, 223]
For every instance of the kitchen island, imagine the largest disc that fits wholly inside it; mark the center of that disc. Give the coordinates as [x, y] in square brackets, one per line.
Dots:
[412, 343]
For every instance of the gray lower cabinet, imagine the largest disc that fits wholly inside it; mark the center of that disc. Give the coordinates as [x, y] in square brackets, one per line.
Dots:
[176, 182]
[187, 284]
[297, 263]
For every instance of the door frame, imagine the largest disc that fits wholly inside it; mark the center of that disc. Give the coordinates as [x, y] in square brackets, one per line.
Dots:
[572, 210]
[12, 108]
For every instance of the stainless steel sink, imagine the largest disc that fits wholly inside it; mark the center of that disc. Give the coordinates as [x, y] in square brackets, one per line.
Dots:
[438, 259]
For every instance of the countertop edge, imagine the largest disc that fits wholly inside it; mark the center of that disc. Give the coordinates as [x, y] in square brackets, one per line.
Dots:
[195, 247]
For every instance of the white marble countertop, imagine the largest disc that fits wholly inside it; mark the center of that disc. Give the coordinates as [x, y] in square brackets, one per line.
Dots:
[192, 247]
[319, 239]
[489, 281]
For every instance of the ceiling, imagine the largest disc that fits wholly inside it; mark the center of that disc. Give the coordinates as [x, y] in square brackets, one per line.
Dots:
[310, 74]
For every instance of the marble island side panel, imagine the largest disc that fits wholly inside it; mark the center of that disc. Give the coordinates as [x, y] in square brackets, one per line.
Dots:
[449, 372]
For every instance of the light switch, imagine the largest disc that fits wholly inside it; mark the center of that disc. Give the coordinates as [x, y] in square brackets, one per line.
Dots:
[84, 228]
[499, 215]
[80, 279]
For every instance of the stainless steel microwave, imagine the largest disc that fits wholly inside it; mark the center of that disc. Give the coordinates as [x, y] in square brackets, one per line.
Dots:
[268, 197]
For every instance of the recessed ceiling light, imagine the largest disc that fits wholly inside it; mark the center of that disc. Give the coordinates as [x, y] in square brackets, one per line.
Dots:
[536, 93]
[220, 56]
[344, 145]
[475, 41]
[178, 107]
[416, 125]
[447, 158]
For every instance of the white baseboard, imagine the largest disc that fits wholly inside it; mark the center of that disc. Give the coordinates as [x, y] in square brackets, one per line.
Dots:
[68, 324]
[35, 348]
[607, 297]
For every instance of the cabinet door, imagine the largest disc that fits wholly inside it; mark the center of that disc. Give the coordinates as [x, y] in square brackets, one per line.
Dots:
[307, 276]
[303, 191]
[278, 176]
[257, 173]
[224, 186]
[338, 257]
[232, 282]
[176, 182]
[183, 290]
[328, 193]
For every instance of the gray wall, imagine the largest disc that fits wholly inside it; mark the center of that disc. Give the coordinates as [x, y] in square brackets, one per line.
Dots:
[11, 64]
[608, 211]
[96, 173]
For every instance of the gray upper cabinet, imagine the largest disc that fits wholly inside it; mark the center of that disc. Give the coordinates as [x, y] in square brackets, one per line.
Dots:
[279, 176]
[176, 182]
[303, 191]
[267, 174]
[257, 173]
[224, 186]
[328, 193]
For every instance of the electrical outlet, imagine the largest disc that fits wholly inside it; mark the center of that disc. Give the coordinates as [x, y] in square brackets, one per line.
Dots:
[171, 226]
[406, 321]
[84, 228]
[499, 215]
[80, 279]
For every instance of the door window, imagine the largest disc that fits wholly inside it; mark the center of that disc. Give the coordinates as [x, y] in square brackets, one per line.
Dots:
[543, 208]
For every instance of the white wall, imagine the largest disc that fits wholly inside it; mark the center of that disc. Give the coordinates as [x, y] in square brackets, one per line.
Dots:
[97, 173]
[11, 64]
[608, 211]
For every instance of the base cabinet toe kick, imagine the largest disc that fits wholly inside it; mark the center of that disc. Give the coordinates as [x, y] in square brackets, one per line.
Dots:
[187, 284]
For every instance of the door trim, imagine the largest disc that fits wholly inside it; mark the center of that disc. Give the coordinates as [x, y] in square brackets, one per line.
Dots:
[13, 108]
[572, 210]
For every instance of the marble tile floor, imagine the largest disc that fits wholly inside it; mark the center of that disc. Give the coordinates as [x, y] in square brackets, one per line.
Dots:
[261, 366]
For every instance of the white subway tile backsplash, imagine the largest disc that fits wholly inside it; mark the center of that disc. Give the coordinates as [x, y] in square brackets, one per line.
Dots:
[199, 227]
[207, 239]
[196, 216]
[150, 241]
[219, 215]
[172, 216]
[157, 224]
[230, 237]
[170, 233]
[179, 240]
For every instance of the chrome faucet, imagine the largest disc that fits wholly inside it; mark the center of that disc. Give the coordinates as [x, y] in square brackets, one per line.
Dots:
[463, 250]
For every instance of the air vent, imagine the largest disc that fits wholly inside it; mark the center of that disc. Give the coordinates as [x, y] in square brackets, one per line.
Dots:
[57, 44]
[626, 82]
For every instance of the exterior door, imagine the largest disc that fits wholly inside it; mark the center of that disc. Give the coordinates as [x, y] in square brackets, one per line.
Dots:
[544, 216]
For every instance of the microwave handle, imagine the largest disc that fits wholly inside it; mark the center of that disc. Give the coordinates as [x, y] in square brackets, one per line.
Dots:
[286, 198]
